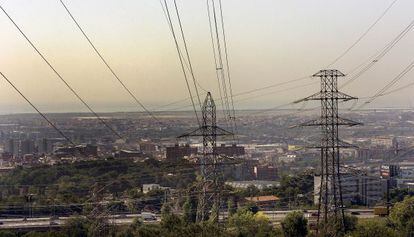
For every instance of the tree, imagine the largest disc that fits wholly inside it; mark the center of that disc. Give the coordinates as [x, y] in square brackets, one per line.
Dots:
[295, 225]
[245, 223]
[165, 210]
[7, 234]
[402, 216]
[189, 212]
[374, 228]
[231, 206]
[44, 234]
[76, 227]
[149, 231]
[334, 226]
[214, 213]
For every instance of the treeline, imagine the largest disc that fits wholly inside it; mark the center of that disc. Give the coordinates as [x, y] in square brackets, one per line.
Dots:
[70, 184]
[245, 222]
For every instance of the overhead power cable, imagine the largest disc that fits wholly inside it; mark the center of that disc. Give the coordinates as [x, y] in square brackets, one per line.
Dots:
[167, 14]
[255, 96]
[213, 18]
[389, 84]
[243, 92]
[378, 56]
[38, 111]
[186, 51]
[107, 64]
[227, 63]
[363, 35]
[60, 77]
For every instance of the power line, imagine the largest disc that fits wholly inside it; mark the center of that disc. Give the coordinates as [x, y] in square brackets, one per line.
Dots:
[38, 111]
[186, 51]
[107, 64]
[170, 24]
[243, 92]
[227, 64]
[378, 56]
[215, 59]
[389, 84]
[61, 78]
[256, 96]
[220, 67]
[363, 35]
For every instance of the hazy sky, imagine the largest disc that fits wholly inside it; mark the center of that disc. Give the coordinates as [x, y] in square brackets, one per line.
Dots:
[269, 41]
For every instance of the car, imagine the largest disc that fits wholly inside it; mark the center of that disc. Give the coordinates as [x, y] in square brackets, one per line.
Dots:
[355, 213]
[148, 216]
[53, 223]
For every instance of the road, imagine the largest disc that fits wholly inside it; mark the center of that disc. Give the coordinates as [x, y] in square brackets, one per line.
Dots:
[47, 222]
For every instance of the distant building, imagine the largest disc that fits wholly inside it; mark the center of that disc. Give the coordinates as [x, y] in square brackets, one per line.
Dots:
[47, 145]
[385, 142]
[147, 147]
[265, 173]
[362, 190]
[389, 171]
[177, 152]
[13, 147]
[289, 158]
[82, 150]
[128, 154]
[27, 147]
[232, 150]
[245, 170]
[259, 184]
[406, 170]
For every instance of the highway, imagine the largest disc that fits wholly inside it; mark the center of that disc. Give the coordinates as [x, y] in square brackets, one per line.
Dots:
[47, 222]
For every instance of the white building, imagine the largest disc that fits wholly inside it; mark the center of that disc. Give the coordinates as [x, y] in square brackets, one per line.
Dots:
[365, 190]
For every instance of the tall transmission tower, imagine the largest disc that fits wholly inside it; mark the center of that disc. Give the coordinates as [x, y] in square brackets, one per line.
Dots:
[330, 203]
[211, 163]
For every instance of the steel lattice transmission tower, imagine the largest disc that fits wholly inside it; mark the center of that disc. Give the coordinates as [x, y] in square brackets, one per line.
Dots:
[211, 163]
[330, 203]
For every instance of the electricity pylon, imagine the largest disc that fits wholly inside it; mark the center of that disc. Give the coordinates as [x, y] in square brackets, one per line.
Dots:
[330, 202]
[210, 162]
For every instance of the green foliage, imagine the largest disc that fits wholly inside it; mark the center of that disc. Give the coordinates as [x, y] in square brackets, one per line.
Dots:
[294, 190]
[403, 212]
[251, 207]
[245, 223]
[72, 183]
[189, 210]
[44, 234]
[374, 228]
[165, 210]
[7, 234]
[295, 225]
[335, 228]
[76, 227]
[402, 216]
[231, 207]
[398, 195]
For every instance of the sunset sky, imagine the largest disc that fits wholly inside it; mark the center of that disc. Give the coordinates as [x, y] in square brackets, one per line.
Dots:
[269, 41]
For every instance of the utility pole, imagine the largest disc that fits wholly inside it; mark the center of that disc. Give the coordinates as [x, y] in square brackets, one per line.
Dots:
[210, 162]
[330, 205]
